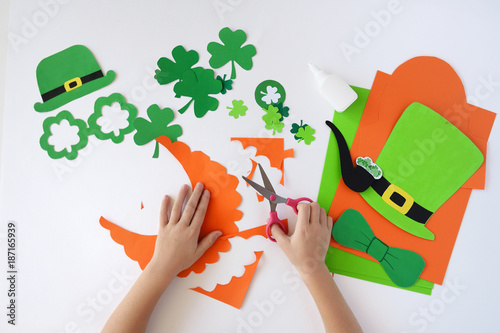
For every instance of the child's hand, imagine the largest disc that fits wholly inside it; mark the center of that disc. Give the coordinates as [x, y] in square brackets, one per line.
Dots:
[177, 246]
[306, 248]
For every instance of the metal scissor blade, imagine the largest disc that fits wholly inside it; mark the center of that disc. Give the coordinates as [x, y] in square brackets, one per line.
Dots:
[267, 183]
[262, 190]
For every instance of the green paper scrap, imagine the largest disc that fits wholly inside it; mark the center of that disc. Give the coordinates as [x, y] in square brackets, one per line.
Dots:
[198, 84]
[269, 92]
[147, 131]
[272, 119]
[60, 125]
[348, 264]
[232, 50]
[68, 75]
[428, 158]
[109, 125]
[174, 70]
[402, 266]
[339, 261]
[303, 132]
[238, 109]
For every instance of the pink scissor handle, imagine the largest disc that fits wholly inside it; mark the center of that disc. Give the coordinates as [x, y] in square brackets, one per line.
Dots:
[294, 203]
[273, 218]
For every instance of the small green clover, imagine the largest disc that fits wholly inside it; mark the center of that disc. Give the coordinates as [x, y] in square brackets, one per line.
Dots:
[198, 84]
[64, 136]
[306, 133]
[272, 119]
[238, 109]
[172, 71]
[114, 121]
[147, 131]
[283, 110]
[231, 50]
[226, 84]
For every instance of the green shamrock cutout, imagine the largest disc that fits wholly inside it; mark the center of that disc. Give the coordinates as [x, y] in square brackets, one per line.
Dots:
[370, 166]
[283, 110]
[112, 122]
[303, 132]
[238, 109]
[269, 92]
[231, 50]
[147, 131]
[171, 71]
[226, 84]
[272, 119]
[198, 84]
[64, 136]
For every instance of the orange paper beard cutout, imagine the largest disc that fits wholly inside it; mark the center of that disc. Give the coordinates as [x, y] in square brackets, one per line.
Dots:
[234, 292]
[272, 148]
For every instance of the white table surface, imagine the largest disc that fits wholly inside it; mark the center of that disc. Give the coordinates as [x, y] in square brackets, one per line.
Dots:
[72, 275]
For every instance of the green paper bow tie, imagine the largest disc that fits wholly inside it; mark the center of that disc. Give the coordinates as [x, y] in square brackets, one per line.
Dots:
[402, 266]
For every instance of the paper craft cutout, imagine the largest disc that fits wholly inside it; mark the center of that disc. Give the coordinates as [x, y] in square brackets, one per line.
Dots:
[272, 148]
[198, 84]
[303, 132]
[68, 75]
[238, 109]
[434, 83]
[234, 292]
[402, 266]
[147, 131]
[226, 84]
[108, 123]
[171, 71]
[231, 50]
[367, 164]
[272, 118]
[64, 136]
[269, 92]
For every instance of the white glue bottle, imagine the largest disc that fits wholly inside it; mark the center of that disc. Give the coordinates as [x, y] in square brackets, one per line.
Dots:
[335, 90]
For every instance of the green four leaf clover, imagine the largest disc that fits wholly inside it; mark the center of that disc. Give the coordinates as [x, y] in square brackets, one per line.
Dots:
[147, 131]
[231, 50]
[111, 124]
[64, 128]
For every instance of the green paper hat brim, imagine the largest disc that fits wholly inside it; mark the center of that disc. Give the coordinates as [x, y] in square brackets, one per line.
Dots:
[71, 95]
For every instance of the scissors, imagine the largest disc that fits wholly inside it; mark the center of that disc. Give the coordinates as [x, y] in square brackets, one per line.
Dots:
[274, 199]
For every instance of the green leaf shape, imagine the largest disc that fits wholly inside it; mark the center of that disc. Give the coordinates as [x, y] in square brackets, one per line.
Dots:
[226, 84]
[272, 119]
[174, 70]
[283, 110]
[295, 127]
[306, 133]
[198, 84]
[370, 166]
[93, 121]
[47, 133]
[231, 50]
[238, 109]
[147, 131]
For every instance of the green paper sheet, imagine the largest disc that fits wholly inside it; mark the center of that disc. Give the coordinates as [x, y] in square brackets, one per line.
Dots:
[341, 262]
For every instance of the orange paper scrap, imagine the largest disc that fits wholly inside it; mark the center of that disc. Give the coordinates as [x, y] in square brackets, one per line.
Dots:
[434, 83]
[234, 292]
[272, 148]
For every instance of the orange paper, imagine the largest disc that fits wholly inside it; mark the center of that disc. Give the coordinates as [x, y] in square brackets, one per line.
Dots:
[272, 148]
[434, 83]
[234, 292]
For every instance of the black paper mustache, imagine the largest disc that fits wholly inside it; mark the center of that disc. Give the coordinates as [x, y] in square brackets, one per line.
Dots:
[354, 177]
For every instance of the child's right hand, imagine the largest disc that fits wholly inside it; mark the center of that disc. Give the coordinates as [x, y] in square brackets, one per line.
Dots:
[306, 248]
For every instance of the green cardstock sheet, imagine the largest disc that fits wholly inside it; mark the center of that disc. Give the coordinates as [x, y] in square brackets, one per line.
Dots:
[339, 261]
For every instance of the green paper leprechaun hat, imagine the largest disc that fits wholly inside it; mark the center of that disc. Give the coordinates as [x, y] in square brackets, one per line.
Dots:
[425, 160]
[68, 75]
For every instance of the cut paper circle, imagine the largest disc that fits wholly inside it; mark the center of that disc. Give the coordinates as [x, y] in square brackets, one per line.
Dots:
[68, 75]
[235, 291]
[269, 92]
